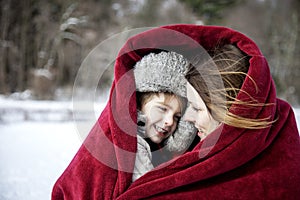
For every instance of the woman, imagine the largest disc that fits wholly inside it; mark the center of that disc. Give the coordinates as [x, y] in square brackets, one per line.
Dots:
[230, 163]
[208, 106]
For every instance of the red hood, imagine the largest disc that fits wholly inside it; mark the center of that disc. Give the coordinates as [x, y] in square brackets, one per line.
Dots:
[242, 164]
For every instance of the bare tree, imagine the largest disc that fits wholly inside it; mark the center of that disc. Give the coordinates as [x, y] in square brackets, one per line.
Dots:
[4, 43]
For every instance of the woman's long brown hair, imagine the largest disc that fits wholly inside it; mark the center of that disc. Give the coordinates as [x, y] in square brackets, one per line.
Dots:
[232, 66]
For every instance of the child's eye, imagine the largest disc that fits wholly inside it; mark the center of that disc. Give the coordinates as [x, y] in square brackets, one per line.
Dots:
[162, 108]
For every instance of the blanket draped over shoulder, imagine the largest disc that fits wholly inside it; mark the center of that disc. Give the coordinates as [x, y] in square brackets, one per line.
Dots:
[239, 164]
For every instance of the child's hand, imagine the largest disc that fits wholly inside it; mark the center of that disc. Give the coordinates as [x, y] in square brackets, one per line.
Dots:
[141, 122]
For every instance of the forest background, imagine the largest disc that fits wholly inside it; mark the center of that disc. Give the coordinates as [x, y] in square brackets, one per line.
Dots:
[43, 43]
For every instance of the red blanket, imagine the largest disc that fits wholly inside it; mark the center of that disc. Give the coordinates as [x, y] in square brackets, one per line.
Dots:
[242, 164]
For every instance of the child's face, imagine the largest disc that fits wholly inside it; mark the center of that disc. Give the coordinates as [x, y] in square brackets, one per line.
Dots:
[162, 117]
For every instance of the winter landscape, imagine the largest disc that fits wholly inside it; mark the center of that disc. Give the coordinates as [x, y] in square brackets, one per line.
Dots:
[38, 140]
[44, 43]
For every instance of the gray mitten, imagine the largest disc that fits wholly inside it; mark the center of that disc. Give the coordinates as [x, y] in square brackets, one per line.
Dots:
[141, 124]
[182, 138]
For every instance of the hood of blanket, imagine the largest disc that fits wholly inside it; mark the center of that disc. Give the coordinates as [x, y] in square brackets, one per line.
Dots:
[187, 40]
[231, 146]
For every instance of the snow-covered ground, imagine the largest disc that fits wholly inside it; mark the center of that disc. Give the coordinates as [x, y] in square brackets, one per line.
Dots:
[35, 148]
[38, 139]
[33, 155]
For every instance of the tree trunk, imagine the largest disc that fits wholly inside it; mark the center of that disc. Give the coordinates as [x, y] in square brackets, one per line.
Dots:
[5, 6]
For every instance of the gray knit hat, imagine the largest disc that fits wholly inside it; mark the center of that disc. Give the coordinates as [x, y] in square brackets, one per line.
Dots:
[165, 72]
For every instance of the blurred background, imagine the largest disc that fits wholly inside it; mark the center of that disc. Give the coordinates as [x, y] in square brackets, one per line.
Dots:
[44, 42]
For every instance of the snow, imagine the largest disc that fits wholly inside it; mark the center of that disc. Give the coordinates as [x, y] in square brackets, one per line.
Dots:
[36, 147]
[33, 155]
[38, 141]
[297, 115]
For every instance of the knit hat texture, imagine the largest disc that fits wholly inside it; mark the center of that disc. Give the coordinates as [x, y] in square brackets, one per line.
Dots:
[162, 72]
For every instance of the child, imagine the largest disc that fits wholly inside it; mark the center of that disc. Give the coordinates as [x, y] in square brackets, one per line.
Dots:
[160, 104]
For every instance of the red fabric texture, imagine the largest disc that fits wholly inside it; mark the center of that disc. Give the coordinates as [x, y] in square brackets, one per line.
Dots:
[242, 164]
